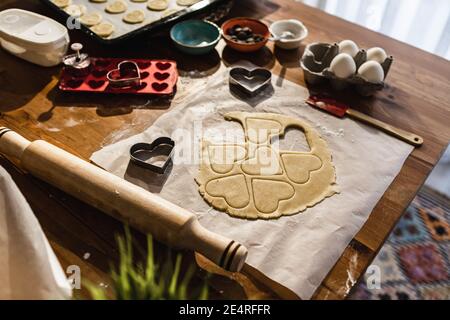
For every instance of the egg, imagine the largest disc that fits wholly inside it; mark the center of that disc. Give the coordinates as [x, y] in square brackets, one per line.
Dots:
[376, 54]
[343, 66]
[349, 47]
[371, 71]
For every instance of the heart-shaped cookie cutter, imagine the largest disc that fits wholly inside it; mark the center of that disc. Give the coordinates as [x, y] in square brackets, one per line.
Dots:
[250, 80]
[162, 146]
[127, 74]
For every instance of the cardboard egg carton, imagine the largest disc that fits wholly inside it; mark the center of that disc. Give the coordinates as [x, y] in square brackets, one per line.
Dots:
[316, 61]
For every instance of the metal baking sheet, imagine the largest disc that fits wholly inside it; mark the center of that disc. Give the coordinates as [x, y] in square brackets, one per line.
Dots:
[153, 19]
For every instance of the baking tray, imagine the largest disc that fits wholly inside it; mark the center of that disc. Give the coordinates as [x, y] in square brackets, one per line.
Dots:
[154, 20]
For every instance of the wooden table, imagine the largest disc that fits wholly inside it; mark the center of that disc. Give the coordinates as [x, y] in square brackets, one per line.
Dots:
[416, 98]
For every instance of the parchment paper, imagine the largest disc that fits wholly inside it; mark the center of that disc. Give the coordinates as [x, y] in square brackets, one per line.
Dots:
[116, 20]
[296, 251]
[29, 268]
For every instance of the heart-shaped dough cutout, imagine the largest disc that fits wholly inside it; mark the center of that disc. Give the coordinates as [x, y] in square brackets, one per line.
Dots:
[266, 200]
[299, 166]
[223, 158]
[233, 189]
[259, 130]
[264, 163]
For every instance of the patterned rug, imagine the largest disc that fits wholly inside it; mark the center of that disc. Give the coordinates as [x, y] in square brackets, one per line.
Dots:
[414, 263]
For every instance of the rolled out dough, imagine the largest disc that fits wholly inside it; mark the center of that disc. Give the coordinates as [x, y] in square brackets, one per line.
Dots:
[256, 181]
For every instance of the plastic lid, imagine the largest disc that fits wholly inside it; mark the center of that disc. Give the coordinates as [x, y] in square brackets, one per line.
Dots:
[32, 30]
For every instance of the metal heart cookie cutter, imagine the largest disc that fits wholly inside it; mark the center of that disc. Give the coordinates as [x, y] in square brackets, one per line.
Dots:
[251, 81]
[162, 147]
[127, 74]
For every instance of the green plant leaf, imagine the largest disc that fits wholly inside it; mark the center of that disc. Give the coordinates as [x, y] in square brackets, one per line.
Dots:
[135, 281]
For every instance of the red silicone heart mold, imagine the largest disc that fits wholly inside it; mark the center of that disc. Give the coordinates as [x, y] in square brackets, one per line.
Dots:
[101, 63]
[95, 84]
[162, 76]
[159, 86]
[163, 65]
[158, 77]
[99, 73]
[144, 64]
[74, 83]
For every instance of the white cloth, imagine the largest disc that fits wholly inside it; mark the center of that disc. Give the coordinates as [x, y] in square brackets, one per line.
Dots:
[296, 251]
[29, 268]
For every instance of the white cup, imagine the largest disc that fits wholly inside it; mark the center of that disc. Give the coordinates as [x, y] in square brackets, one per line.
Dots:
[294, 27]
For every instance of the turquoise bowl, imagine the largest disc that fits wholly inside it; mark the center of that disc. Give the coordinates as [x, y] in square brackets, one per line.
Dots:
[195, 36]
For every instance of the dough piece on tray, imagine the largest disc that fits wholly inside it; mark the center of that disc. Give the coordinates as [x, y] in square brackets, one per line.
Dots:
[186, 2]
[255, 180]
[91, 19]
[104, 29]
[117, 6]
[62, 3]
[158, 5]
[75, 10]
[98, 1]
[135, 16]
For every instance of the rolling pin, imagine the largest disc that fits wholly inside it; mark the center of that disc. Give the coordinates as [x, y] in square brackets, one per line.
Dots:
[121, 199]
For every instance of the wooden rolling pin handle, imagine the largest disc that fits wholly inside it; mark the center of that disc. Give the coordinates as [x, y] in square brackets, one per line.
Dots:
[403, 135]
[15, 145]
[211, 245]
[121, 199]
